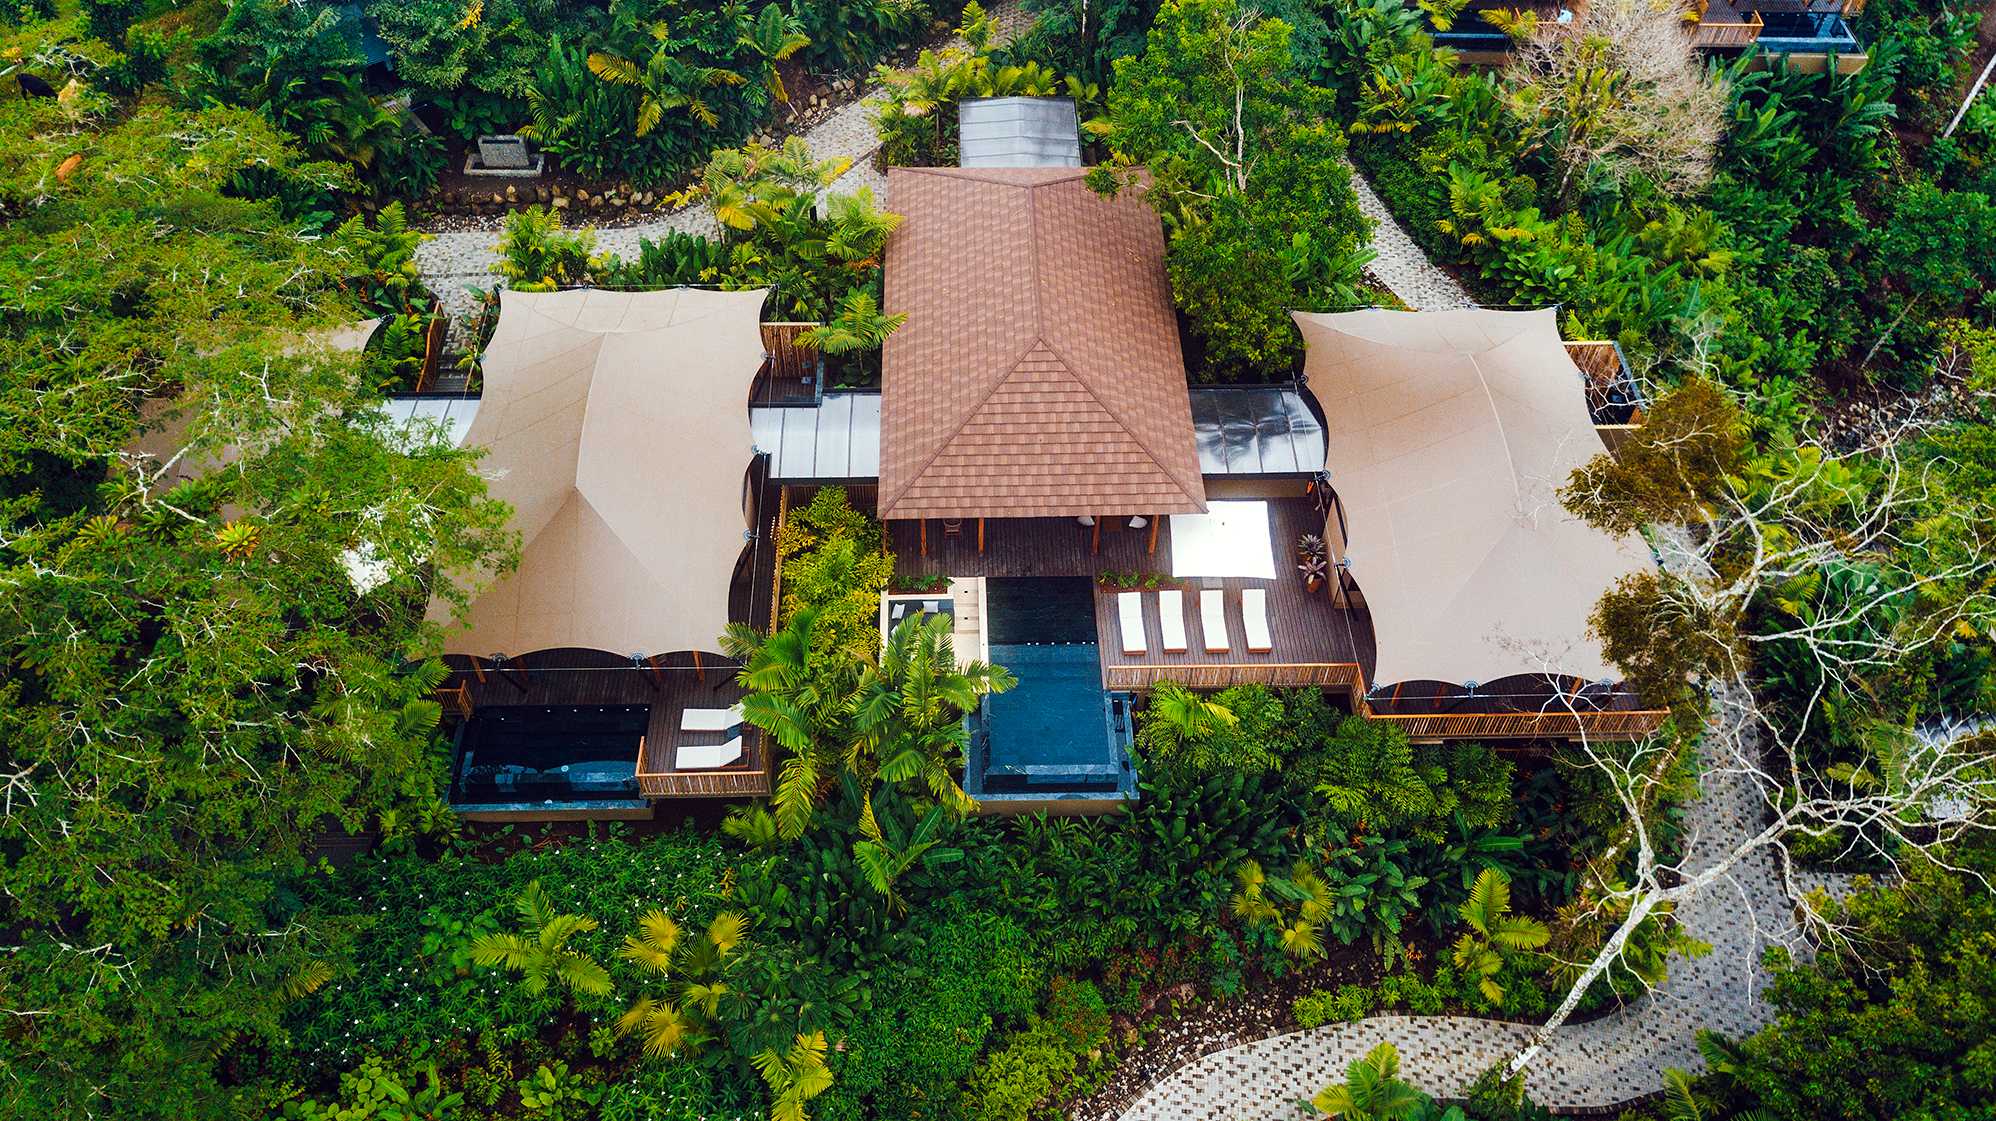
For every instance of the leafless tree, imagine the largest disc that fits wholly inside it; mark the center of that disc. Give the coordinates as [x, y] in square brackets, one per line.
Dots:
[1933, 557]
[1618, 88]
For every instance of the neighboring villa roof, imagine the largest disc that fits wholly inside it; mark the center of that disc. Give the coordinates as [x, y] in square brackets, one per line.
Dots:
[616, 425]
[1018, 132]
[1039, 373]
[1448, 434]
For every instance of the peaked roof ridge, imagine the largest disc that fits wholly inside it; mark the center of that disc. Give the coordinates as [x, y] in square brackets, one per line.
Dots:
[1087, 383]
[1009, 371]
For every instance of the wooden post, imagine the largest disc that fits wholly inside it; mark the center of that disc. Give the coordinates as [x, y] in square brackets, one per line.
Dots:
[699, 671]
[1152, 551]
[657, 674]
[925, 537]
[980, 535]
[477, 670]
[526, 681]
[1095, 537]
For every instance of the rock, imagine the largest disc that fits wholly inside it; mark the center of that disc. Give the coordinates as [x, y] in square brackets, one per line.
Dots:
[512, 193]
[561, 202]
[615, 201]
[648, 198]
[499, 199]
[581, 195]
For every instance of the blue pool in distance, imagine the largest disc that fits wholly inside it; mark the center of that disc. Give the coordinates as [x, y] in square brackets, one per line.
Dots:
[1057, 735]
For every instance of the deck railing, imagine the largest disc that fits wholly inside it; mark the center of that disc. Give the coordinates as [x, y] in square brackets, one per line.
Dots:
[1723, 36]
[656, 779]
[1556, 723]
[1220, 676]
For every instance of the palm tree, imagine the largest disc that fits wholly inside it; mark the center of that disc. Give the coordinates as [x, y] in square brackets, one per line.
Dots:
[772, 37]
[884, 861]
[908, 714]
[1494, 933]
[541, 952]
[794, 1076]
[860, 327]
[670, 1025]
[1178, 721]
[664, 82]
[801, 697]
[1372, 1091]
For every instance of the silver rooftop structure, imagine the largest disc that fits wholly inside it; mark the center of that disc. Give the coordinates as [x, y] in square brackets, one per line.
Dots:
[1018, 132]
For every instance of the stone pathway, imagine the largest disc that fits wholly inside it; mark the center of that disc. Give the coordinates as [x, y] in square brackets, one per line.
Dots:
[1399, 264]
[1587, 1066]
[453, 261]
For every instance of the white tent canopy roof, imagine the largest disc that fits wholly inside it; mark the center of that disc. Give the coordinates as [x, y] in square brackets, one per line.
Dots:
[617, 426]
[1448, 435]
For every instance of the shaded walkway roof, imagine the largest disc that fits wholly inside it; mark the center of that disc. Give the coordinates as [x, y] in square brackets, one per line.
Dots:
[1039, 372]
[616, 425]
[1448, 434]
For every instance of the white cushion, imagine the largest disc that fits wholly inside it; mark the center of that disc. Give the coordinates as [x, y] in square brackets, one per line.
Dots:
[710, 719]
[1171, 620]
[1213, 620]
[1254, 619]
[1130, 607]
[707, 756]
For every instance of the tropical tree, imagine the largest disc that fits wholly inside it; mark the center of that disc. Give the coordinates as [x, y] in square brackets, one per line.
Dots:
[664, 82]
[908, 714]
[683, 1020]
[794, 1076]
[1179, 725]
[773, 37]
[897, 850]
[1372, 1091]
[859, 325]
[1263, 899]
[1495, 935]
[540, 952]
[1248, 177]
[801, 696]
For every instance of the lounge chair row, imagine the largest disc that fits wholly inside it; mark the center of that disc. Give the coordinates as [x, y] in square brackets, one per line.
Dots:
[1212, 621]
[708, 756]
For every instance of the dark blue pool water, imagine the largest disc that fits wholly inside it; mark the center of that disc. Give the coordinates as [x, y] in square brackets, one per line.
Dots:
[522, 756]
[1057, 733]
[1805, 32]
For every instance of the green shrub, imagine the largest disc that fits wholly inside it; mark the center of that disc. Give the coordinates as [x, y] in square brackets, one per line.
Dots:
[1034, 1064]
[1343, 1006]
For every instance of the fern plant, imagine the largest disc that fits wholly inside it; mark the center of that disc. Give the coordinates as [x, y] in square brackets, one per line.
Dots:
[540, 951]
[1495, 936]
[692, 970]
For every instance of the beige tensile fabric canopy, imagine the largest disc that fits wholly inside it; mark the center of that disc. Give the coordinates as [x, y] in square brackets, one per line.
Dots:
[1447, 436]
[617, 426]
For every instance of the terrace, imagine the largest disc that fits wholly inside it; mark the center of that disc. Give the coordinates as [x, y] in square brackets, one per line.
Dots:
[1809, 33]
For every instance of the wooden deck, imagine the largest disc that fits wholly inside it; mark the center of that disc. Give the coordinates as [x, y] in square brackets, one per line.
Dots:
[1315, 642]
[583, 677]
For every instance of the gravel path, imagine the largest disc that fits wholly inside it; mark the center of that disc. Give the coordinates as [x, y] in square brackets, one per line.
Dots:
[1588, 1066]
[453, 261]
[1399, 264]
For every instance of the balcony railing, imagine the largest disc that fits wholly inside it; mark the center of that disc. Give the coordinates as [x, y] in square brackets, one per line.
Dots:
[1724, 36]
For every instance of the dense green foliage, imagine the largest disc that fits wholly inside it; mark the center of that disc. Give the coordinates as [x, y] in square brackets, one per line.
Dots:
[196, 683]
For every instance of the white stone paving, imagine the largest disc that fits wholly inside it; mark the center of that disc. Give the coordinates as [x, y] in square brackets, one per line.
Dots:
[1399, 264]
[454, 261]
[1586, 1066]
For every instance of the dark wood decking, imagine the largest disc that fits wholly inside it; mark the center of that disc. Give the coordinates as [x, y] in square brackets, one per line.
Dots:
[1312, 636]
[582, 677]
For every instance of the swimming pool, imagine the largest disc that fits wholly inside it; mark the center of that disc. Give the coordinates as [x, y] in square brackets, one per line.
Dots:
[1058, 733]
[539, 757]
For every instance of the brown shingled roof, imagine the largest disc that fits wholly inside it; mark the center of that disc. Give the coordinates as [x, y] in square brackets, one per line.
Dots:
[1039, 373]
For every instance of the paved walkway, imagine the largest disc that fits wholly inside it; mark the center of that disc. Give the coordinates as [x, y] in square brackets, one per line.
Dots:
[1399, 264]
[1587, 1066]
[455, 260]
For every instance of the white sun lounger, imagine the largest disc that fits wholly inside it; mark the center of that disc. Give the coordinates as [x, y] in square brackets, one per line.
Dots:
[710, 719]
[1213, 620]
[1254, 619]
[1130, 607]
[707, 756]
[1171, 620]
